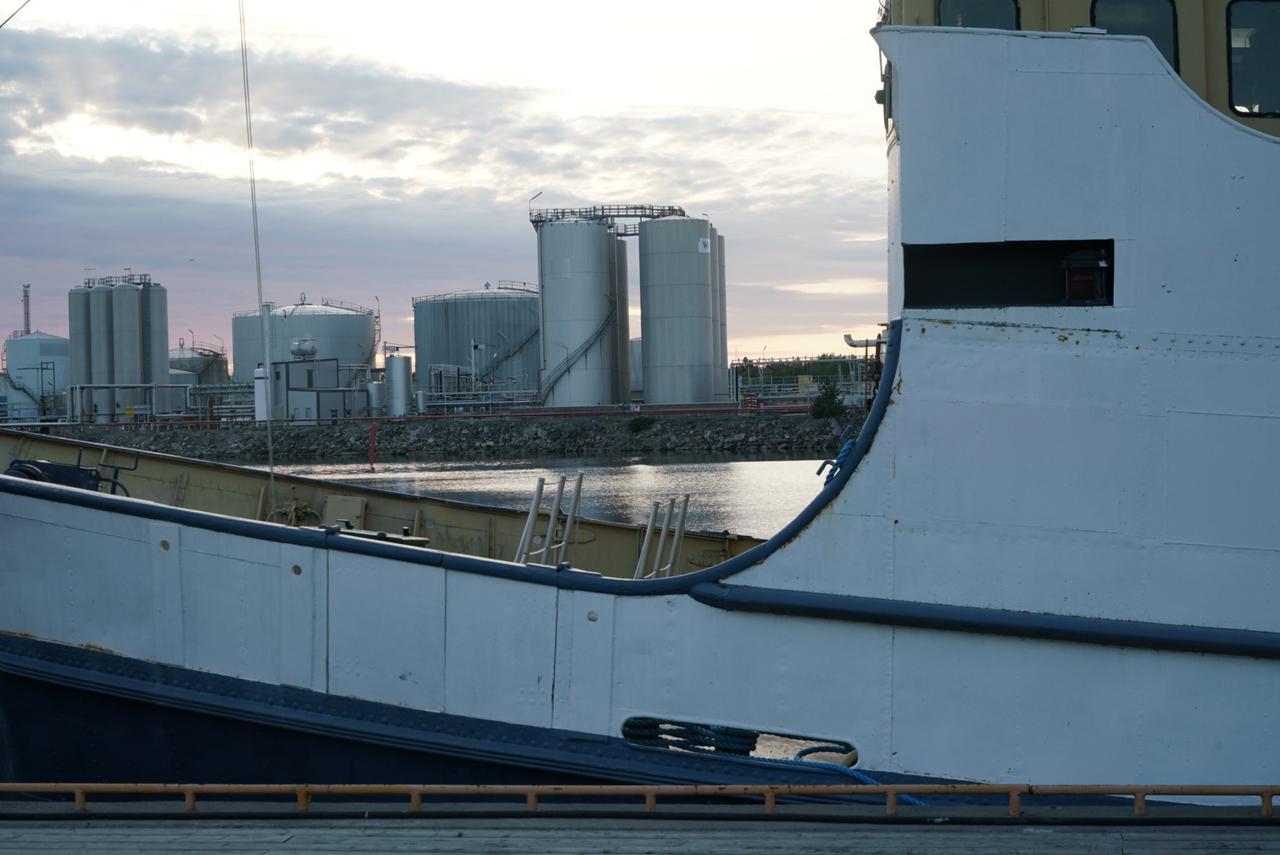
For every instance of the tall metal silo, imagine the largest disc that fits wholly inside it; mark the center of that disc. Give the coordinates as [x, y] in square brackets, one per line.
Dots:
[675, 310]
[717, 311]
[102, 351]
[722, 391]
[496, 327]
[246, 344]
[636, 349]
[128, 340]
[578, 352]
[81, 344]
[155, 326]
[399, 384]
[622, 325]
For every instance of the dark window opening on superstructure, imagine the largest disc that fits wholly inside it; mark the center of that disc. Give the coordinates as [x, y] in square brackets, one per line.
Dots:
[1155, 19]
[988, 14]
[1253, 28]
[1012, 273]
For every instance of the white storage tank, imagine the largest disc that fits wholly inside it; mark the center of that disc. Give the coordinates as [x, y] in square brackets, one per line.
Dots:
[675, 310]
[340, 331]
[579, 351]
[39, 368]
[155, 332]
[126, 333]
[102, 353]
[501, 324]
[78, 328]
[636, 349]
[399, 384]
[207, 366]
[722, 391]
[717, 312]
[622, 326]
[377, 397]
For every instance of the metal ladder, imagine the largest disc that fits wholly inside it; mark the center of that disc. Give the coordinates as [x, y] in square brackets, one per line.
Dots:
[551, 552]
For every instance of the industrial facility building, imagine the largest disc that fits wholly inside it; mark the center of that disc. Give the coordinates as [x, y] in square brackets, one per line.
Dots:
[119, 349]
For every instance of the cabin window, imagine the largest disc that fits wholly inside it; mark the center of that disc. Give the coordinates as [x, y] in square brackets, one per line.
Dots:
[1009, 273]
[1155, 19]
[1254, 30]
[989, 14]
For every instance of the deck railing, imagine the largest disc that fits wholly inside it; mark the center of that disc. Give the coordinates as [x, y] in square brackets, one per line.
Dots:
[303, 794]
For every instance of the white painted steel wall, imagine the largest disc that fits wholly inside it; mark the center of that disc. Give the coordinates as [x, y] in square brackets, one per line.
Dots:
[574, 261]
[675, 310]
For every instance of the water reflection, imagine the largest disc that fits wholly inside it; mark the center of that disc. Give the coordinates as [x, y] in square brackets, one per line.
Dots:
[754, 497]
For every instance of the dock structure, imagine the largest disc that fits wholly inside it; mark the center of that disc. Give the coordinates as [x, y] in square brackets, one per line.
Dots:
[482, 836]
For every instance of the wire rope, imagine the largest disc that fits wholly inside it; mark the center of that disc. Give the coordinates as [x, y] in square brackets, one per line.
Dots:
[265, 315]
[15, 13]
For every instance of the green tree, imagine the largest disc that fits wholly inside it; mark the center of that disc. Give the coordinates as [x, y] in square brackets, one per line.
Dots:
[828, 404]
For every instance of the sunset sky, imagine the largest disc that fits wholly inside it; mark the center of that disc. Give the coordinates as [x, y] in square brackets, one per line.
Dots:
[398, 145]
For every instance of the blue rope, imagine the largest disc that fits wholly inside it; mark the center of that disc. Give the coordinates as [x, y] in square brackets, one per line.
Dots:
[837, 464]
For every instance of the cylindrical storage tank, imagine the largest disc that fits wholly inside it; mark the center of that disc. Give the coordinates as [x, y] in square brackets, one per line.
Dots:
[675, 310]
[246, 345]
[377, 397]
[78, 328]
[637, 368]
[101, 354]
[155, 327]
[502, 322]
[127, 338]
[722, 392]
[41, 363]
[399, 385]
[344, 333]
[420, 401]
[577, 297]
[622, 330]
[717, 310]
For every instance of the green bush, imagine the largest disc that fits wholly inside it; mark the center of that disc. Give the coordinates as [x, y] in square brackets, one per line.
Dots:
[827, 405]
[640, 424]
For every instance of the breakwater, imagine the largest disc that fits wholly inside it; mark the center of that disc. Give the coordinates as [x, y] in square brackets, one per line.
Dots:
[492, 438]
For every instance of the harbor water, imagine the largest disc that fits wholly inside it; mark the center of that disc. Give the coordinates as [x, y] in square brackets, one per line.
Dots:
[755, 497]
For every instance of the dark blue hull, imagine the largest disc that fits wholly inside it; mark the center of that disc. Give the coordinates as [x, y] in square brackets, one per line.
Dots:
[70, 714]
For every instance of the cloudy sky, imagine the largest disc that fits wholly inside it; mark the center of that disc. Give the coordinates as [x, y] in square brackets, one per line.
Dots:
[398, 145]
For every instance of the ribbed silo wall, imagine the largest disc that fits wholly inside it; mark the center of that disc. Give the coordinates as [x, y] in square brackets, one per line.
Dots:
[246, 346]
[399, 385]
[102, 352]
[346, 335]
[722, 391]
[622, 325]
[675, 310]
[155, 343]
[341, 334]
[636, 353]
[717, 313]
[78, 330]
[127, 338]
[577, 296]
[504, 323]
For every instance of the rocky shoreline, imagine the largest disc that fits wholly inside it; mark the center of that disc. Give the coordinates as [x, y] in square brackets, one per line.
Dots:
[490, 438]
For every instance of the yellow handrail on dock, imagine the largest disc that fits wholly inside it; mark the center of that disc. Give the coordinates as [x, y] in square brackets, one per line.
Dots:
[304, 793]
